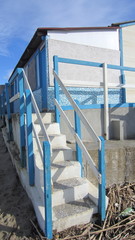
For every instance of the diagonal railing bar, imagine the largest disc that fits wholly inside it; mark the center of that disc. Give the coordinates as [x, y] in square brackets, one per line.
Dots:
[80, 143]
[44, 132]
[38, 142]
[80, 114]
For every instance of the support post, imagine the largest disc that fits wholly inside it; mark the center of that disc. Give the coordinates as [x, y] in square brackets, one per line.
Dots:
[122, 64]
[56, 89]
[102, 185]
[106, 108]
[29, 138]
[4, 109]
[47, 190]
[8, 112]
[78, 131]
[22, 121]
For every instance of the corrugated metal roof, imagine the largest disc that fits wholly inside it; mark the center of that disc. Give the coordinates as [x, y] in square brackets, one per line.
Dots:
[122, 23]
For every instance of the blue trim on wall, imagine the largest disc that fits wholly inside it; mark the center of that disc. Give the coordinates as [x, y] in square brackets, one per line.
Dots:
[44, 74]
[98, 106]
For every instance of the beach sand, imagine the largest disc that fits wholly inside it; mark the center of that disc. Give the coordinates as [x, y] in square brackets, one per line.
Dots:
[16, 209]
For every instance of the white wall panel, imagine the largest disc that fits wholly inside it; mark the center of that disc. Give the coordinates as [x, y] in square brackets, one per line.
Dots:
[98, 38]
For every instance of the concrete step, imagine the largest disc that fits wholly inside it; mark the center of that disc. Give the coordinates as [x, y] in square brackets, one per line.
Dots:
[73, 213]
[58, 154]
[68, 190]
[57, 141]
[61, 154]
[46, 117]
[59, 171]
[51, 128]
[65, 170]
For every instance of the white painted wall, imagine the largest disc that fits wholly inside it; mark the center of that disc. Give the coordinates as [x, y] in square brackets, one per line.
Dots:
[84, 76]
[129, 59]
[98, 38]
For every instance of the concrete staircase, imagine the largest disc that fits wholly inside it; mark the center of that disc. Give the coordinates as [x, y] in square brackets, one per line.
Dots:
[74, 199]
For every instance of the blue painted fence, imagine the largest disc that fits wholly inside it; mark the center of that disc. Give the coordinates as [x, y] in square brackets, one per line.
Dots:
[26, 140]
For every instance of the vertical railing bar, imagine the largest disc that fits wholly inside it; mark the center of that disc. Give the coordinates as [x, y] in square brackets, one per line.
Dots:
[29, 138]
[106, 107]
[78, 131]
[102, 185]
[47, 189]
[22, 122]
[56, 89]
[0, 107]
[3, 108]
[8, 112]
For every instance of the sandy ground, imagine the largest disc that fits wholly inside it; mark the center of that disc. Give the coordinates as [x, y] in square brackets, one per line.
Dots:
[15, 207]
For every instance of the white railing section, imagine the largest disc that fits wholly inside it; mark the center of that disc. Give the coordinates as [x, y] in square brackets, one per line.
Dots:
[80, 114]
[80, 143]
[86, 124]
[15, 97]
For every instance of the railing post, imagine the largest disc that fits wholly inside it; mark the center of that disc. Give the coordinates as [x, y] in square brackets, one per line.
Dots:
[56, 89]
[78, 131]
[102, 185]
[106, 109]
[0, 107]
[8, 112]
[22, 121]
[29, 138]
[4, 109]
[47, 189]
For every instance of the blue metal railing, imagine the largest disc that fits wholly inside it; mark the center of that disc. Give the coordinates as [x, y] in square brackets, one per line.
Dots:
[58, 110]
[26, 101]
[80, 148]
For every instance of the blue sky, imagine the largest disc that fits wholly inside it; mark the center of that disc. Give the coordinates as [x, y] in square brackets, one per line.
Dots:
[19, 20]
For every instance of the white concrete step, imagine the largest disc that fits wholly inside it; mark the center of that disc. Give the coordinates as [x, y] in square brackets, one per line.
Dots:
[73, 213]
[46, 117]
[59, 171]
[61, 154]
[65, 170]
[51, 128]
[57, 141]
[68, 190]
[65, 191]
[58, 154]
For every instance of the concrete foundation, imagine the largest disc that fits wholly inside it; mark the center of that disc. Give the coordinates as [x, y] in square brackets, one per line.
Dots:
[124, 116]
[120, 162]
